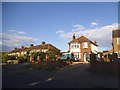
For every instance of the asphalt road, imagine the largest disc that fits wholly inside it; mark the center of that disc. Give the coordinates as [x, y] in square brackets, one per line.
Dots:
[73, 76]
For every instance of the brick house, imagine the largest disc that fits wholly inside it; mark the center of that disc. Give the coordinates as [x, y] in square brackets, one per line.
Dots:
[116, 41]
[82, 47]
[38, 48]
[115, 44]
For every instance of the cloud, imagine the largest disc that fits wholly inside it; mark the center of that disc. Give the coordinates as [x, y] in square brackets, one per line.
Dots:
[60, 31]
[78, 27]
[103, 35]
[6, 48]
[21, 32]
[94, 24]
[12, 30]
[16, 40]
[15, 31]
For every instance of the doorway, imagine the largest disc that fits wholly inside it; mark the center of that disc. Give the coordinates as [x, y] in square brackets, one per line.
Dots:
[85, 57]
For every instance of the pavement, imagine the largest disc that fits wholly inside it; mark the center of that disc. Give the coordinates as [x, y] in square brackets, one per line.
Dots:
[71, 76]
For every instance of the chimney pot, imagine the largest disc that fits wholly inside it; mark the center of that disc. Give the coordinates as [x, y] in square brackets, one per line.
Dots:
[43, 42]
[15, 48]
[22, 47]
[95, 42]
[31, 45]
[73, 36]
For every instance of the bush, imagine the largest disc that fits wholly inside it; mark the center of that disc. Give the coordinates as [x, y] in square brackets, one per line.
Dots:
[22, 59]
[6, 57]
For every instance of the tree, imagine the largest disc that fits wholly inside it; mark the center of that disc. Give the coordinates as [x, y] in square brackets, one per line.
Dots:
[22, 59]
[5, 57]
[41, 54]
[27, 56]
[52, 52]
[13, 57]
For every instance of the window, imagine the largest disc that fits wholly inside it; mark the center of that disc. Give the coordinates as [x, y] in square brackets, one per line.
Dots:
[74, 45]
[85, 44]
[119, 40]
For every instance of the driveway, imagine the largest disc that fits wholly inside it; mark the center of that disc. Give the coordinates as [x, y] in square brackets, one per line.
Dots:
[72, 76]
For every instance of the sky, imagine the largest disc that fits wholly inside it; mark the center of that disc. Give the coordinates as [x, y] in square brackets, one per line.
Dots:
[25, 23]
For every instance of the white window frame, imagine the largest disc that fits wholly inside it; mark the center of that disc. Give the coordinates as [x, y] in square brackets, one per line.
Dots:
[85, 44]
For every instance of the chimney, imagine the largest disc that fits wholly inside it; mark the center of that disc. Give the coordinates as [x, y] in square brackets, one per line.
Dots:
[22, 47]
[95, 42]
[43, 42]
[31, 45]
[73, 36]
[15, 48]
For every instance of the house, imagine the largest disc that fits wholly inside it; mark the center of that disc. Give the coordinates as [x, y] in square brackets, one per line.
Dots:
[116, 41]
[82, 47]
[18, 51]
[38, 48]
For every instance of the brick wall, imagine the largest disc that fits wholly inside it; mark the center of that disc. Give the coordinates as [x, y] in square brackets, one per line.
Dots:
[105, 67]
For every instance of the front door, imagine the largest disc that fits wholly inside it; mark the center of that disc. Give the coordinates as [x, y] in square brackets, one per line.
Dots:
[85, 56]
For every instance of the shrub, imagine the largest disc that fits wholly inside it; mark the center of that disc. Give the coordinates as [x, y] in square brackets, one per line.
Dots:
[22, 59]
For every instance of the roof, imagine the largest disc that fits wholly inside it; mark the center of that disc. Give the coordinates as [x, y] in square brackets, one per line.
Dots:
[17, 50]
[42, 46]
[115, 29]
[108, 52]
[81, 39]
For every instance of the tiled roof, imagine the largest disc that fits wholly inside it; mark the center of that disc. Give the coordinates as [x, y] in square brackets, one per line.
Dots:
[82, 39]
[18, 50]
[43, 46]
[110, 51]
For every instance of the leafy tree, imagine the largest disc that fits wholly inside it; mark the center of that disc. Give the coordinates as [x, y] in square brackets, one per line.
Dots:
[27, 56]
[22, 59]
[41, 54]
[5, 57]
[52, 52]
[13, 57]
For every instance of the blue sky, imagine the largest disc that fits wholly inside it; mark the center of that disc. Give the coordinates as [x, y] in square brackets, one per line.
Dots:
[25, 23]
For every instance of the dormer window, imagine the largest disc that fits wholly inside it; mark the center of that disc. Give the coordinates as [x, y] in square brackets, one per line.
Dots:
[85, 44]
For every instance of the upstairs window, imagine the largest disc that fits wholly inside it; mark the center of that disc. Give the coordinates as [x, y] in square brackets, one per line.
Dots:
[74, 45]
[85, 44]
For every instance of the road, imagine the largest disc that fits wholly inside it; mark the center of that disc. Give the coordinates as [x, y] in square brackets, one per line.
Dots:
[72, 76]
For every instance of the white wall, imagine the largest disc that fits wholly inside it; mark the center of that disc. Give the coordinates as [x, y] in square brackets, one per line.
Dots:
[75, 50]
[94, 48]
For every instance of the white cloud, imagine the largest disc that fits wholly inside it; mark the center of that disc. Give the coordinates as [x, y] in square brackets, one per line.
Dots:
[102, 35]
[16, 40]
[94, 24]
[60, 31]
[12, 30]
[15, 31]
[78, 27]
[21, 32]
